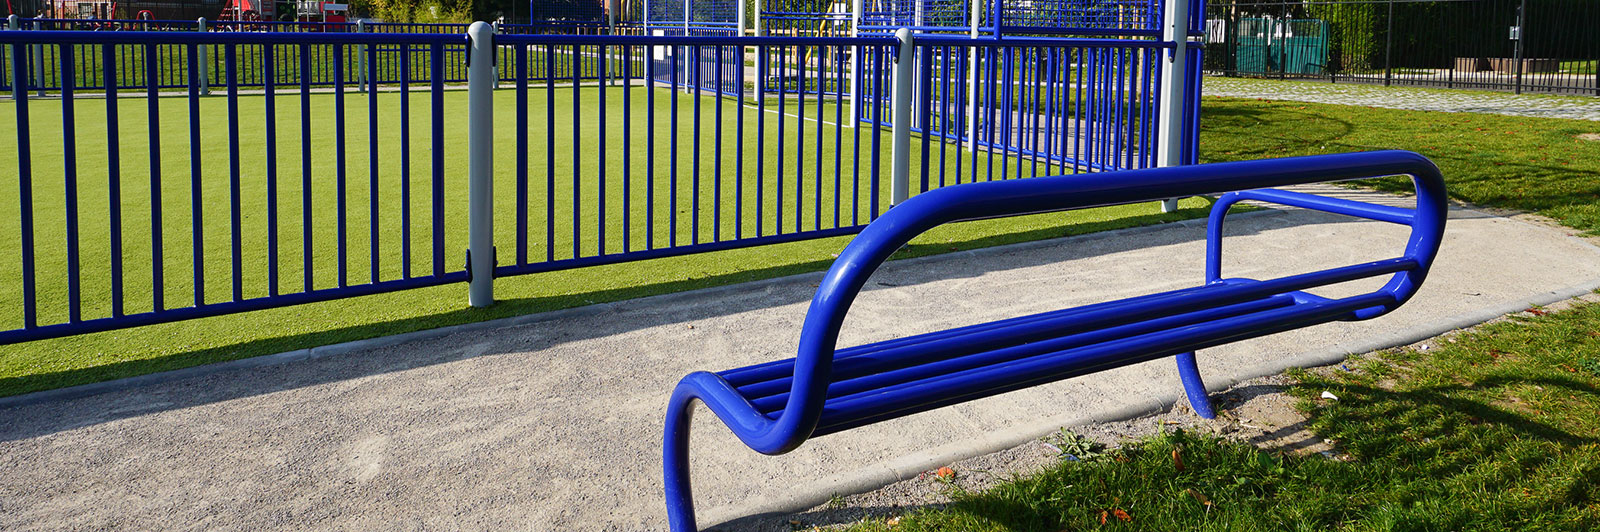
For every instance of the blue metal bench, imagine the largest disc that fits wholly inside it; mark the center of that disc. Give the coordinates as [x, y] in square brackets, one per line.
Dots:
[776, 406]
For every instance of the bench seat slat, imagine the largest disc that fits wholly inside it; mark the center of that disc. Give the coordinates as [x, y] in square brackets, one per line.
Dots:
[903, 370]
[1026, 329]
[840, 413]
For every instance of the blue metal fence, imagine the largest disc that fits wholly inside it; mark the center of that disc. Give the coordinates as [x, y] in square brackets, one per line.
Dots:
[599, 161]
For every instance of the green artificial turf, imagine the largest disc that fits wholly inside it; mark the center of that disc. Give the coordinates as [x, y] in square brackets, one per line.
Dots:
[402, 163]
[1491, 430]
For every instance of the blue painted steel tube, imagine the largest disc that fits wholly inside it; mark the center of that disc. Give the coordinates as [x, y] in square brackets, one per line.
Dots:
[113, 177]
[235, 245]
[803, 411]
[69, 155]
[436, 135]
[153, 108]
[405, 161]
[19, 77]
[196, 220]
[372, 161]
[306, 255]
[269, 84]
[340, 187]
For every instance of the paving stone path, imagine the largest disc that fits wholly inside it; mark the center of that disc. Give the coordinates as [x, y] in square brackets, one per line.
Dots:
[1451, 101]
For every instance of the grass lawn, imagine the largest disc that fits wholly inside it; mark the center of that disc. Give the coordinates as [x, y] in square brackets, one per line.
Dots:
[1531, 164]
[1491, 429]
[1494, 429]
[407, 162]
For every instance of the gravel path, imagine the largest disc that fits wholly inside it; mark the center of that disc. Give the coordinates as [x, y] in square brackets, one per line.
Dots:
[1450, 101]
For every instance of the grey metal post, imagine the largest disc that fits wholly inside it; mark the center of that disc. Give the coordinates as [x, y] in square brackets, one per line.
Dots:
[361, 60]
[761, 58]
[480, 164]
[204, 60]
[904, 66]
[855, 64]
[38, 61]
[1170, 119]
[972, 80]
[14, 23]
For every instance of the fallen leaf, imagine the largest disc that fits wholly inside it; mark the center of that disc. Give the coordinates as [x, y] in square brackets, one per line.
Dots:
[1122, 515]
[1199, 498]
[1537, 311]
[946, 473]
[893, 521]
[1103, 515]
[1177, 458]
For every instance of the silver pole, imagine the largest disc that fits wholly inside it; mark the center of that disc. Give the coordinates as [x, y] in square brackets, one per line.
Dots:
[361, 62]
[1170, 121]
[855, 64]
[38, 61]
[480, 164]
[904, 66]
[972, 79]
[204, 60]
[761, 58]
[14, 23]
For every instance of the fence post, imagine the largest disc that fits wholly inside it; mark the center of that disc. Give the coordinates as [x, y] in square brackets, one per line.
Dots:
[38, 61]
[480, 164]
[904, 67]
[972, 81]
[1170, 121]
[18, 90]
[761, 59]
[361, 54]
[204, 60]
[855, 64]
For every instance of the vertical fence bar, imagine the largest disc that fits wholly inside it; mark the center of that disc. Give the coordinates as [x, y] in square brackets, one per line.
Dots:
[113, 177]
[405, 160]
[69, 175]
[24, 185]
[436, 112]
[369, 70]
[196, 210]
[153, 108]
[235, 247]
[481, 80]
[269, 80]
[341, 197]
[305, 168]
[900, 180]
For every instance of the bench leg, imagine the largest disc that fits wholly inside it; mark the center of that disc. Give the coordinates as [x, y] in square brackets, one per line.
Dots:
[675, 463]
[1189, 372]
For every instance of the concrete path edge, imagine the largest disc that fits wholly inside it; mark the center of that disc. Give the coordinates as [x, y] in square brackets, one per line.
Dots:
[96, 388]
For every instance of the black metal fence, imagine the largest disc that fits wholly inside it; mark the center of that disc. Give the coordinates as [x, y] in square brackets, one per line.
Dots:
[1548, 46]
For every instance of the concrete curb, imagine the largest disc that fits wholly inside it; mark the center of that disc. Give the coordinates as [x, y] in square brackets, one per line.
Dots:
[96, 388]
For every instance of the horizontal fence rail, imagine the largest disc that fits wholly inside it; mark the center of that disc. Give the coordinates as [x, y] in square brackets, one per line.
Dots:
[143, 207]
[313, 166]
